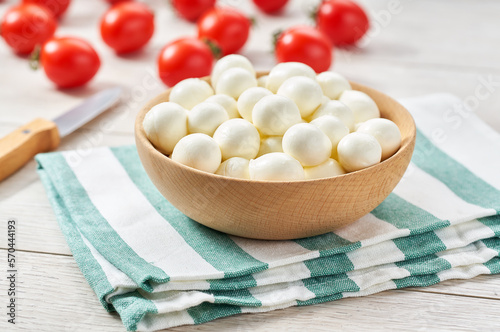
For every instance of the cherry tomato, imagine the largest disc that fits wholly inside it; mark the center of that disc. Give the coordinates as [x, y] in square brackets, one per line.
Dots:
[184, 58]
[56, 7]
[127, 26]
[25, 26]
[191, 10]
[226, 27]
[69, 61]
[307, 45]
[270, 6]
[343, 21]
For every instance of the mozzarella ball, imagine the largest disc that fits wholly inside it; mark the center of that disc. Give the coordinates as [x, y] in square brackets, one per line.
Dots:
[358, 150]
[234, 81]
[361, 105]
[337, 109]
[307, 143]
[199, 151]
[190, 92]
[284, 70]
[332, 84]
[274, 114]
[206, 117]
[248, 99]
[305, 93]
[165, 124]
[262, 81]
[276, 166]
[324, 99]
[228, 62]
[227, 102]
[235, 167]
[333, 128]
[385, 132]
[270, 144]
[327, 169]
[357, 125]
[237, 138]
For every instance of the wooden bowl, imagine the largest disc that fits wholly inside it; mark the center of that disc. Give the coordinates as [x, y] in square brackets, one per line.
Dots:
[278, 210]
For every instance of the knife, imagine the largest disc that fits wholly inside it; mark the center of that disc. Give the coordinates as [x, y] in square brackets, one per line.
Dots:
[41, 135]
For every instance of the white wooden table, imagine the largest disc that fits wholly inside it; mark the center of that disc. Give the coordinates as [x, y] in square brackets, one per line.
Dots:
[421, 47]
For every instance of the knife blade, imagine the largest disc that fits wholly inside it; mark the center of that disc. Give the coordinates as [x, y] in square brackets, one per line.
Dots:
[41, 135]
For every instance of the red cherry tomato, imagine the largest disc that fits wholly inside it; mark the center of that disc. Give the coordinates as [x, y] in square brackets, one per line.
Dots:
[191, 10]
[25, 26]
[56, 7]
[127, 26]
[184, 58]
[226, 27]
[68, 61]
[307, 45]
[270, 6]
[343, 21]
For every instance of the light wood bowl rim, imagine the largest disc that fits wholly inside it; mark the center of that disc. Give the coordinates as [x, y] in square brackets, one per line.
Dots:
[142, 138]
[279, 210]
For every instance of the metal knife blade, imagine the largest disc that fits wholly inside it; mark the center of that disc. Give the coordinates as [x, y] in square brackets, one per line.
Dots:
[86, 111]
[40, 135]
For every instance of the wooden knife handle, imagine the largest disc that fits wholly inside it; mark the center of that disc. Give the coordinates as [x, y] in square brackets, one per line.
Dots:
[18, 147]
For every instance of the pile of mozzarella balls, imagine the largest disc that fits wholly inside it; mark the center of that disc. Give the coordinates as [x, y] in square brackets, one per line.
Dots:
[292, 124]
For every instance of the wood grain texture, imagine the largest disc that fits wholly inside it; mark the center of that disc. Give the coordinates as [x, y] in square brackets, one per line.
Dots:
[20, 146]
[278, 210]
[23, 197]
[54, 296]
[458, 46]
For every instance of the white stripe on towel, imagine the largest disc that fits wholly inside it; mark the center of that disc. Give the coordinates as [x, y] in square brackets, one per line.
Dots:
[428, 193]
[463, 136]
[275, 253]
[139, 225]
[366, 227]
[272, 295]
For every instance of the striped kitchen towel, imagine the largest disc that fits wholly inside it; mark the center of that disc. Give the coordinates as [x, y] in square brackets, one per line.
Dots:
[157, 268]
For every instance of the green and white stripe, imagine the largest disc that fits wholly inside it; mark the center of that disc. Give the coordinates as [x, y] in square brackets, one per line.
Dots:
[157, 268]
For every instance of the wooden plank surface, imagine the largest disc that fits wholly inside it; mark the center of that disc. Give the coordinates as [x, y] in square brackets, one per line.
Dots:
[424, 47]
[54, 296]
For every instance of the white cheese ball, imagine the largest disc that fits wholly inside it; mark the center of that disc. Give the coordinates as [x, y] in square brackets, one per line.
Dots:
[307, 143]
[199, 151]
[234, 81]
[284, 70]
[305, 93]
[332, 84]
[190, 92]
[333, 128]
[327, 169]
[385, 132]
[165, 124]
[237, 138]
[262, 81]
[235, 167]
[362, 106]
[248, 99]
[228, 62]
[357, 125]
[358, 150]
[270, 144]
[274, 114]
[206, 117]
[337, 109]
[276, 166]
[227, 102]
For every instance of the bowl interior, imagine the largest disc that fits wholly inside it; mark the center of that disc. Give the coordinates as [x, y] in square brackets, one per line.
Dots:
[278, 210]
